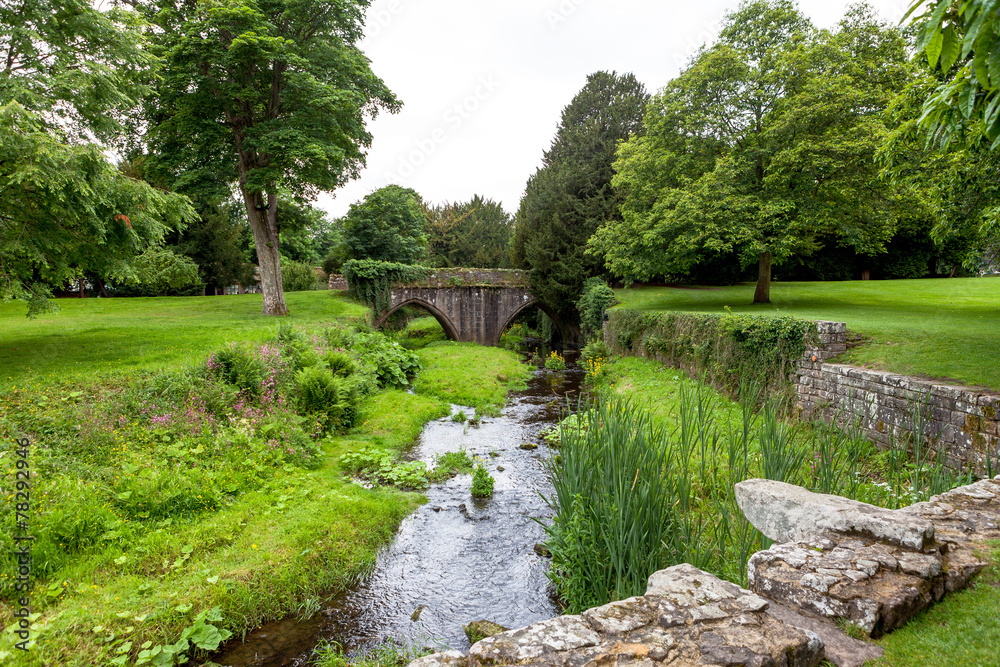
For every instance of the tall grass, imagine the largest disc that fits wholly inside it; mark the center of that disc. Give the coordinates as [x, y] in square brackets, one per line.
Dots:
[632, 497]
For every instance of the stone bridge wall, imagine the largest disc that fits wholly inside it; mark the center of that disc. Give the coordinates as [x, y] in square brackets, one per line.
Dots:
[474, 277]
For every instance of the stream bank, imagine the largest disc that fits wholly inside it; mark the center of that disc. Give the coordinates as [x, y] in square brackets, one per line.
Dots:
[455, 559]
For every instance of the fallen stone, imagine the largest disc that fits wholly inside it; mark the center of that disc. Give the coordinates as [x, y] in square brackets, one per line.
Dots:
[841, 650]
[528, 446]
[788, 513]
[478, 630]
[444, 659]
[415, 616]
[542, 550]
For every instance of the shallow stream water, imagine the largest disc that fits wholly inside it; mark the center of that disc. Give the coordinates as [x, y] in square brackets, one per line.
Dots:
[455, 559]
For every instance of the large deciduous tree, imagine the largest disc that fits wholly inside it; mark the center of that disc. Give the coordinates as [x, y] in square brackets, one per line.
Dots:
[69, 75]
[764, 143]
[273, 94]
[387, 225]
[570, 195]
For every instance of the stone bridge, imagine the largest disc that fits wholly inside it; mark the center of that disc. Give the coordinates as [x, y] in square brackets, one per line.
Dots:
[472, 305]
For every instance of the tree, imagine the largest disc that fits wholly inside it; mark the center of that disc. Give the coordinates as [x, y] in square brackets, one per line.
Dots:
[70, 76]
[271, 94]
[764, 143]
[476, 233]
[962, 39]
[570, 195]
[387, 226]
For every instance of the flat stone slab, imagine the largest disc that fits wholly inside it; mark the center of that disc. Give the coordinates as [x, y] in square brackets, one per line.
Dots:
[688, 617]
[841, 650]
[789, 513]
[878, 585]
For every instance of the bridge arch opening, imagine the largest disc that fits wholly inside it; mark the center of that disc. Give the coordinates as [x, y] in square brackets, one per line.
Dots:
[449, 327]
[535, 303]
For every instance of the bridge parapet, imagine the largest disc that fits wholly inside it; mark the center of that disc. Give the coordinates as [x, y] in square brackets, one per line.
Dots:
[438, 278]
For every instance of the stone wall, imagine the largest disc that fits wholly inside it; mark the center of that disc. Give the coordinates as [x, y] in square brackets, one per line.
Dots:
[338, 282]
[961, 420]
[474, 277]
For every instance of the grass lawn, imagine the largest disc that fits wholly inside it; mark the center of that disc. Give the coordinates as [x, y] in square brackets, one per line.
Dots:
[963, 630]
[88, 337]
[276, 539]
[945, 328]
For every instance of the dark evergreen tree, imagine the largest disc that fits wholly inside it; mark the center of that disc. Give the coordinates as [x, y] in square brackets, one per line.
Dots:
[570, 196]
[475, 233]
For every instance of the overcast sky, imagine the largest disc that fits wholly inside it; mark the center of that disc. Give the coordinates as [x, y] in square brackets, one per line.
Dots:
[483, 82]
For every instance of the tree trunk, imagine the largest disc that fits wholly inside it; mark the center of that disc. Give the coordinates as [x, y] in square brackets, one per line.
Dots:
[263, 222]
[763, 292]
[866, 274]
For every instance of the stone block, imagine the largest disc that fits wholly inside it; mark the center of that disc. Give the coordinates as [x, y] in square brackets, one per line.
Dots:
[789, 513]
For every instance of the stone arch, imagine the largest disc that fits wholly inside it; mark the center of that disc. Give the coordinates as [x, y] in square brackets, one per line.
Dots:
[449, 328]
[533, 302]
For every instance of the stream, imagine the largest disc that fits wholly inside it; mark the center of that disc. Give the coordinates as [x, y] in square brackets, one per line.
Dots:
[455, 559]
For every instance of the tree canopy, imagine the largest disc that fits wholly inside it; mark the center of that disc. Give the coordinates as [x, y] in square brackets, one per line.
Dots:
[71, 75]
[765, 142]
[475, 233]
[270, 94]
[386, 226]
[571, 195]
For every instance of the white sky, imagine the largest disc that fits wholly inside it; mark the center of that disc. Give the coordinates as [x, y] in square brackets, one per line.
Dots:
[483, 82]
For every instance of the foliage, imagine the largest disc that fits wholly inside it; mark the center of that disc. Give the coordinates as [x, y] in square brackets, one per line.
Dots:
[513, 338]
[459, 417]
[578, 421]
[765, 142]
[271, 95]
[332, 398]
[298, 276]
[722, 348]
[615, 512]
[387, 226]
[476, 233]
[382, 466]
[961, 39]
[482, 481]
[699, 446]
[449, 464]
[68, 212]
[371, 280]
[555, 362]
[570, 195]
[595, 349]
[597, 298]
[386, 654]
[162, 270]
[391, 363]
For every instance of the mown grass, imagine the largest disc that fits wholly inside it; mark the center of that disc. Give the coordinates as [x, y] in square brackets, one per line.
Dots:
[290, 538]
[447, 377]
[93, 337]
[964, 629]
[939, 328]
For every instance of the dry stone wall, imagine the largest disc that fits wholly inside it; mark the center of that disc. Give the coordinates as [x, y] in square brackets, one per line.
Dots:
[961, 420]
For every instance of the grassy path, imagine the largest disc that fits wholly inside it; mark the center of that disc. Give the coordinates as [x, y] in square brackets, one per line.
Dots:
[938, 328]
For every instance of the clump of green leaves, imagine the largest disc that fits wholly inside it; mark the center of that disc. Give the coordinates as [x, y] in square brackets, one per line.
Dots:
[597, 298]
[555, 362]
[459, 417]
[382, 467]
[331, 397]
[450, 464]
[482, 482]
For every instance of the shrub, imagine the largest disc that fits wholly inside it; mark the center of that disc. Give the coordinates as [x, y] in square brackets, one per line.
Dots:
[380, 466]
[298, 276]
[333, 399]
[596, 299]
[595, 349]
[341, 364]
[239, 367]
[555, 362]
[393, 364]
[513, 338]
